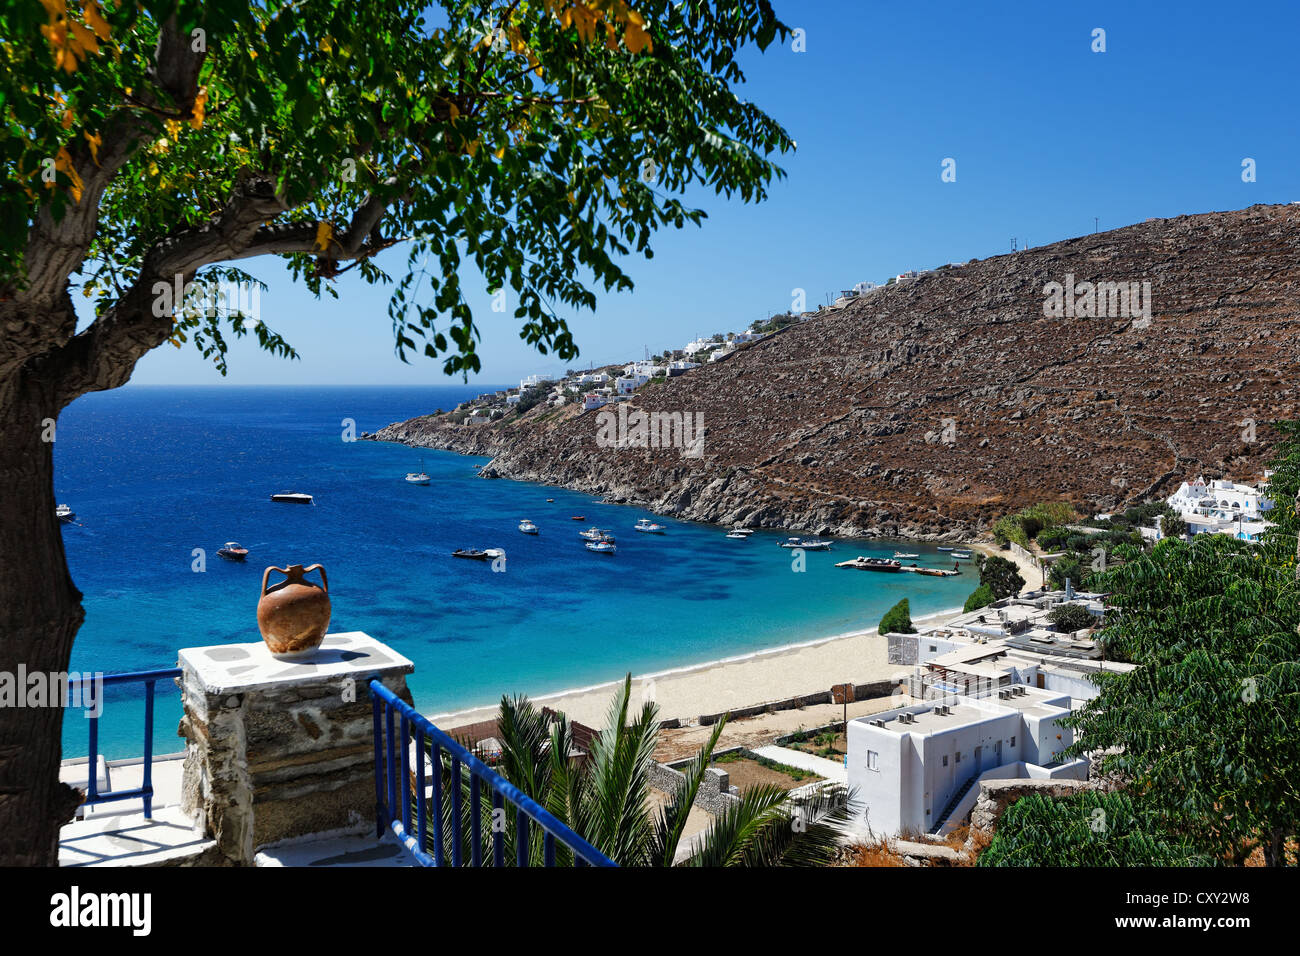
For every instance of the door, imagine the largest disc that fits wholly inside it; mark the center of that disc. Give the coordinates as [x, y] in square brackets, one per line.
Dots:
[979, 759]
[1040, 681]
[997, 753]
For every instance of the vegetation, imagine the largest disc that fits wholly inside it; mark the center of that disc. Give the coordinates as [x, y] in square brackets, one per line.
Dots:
[982, 596]
[159, 144]
[530, 398]
[1001, 576]
[1071, 617]
[1202, 732]
[897, 620]
[1025, 525]
[605, 799]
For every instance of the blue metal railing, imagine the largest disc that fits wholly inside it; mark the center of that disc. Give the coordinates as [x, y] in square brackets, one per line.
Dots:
[145, 791]
[394, 806]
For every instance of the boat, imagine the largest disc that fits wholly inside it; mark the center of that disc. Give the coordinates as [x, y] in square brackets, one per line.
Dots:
[550, 499]
[936, 572]
[738, 536]
[65, 514]
[941, 548]
[649, 527]
[602, 547]
[596, 534]
[871, 564]
[806, 544]
[475, 554]
[743, 531]
[905, 554]
[233, 551]
[418, 477]
[293, 497]
[579, 517]
[961, 554]
[527, 527]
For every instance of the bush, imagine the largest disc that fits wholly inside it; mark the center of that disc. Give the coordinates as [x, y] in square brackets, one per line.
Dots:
[1071, 617]
[897, 620]
[1002, 576]
[530, 398]
[982, 596]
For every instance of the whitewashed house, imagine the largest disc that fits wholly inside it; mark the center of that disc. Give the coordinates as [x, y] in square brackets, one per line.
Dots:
[916, 768]
[1221, 506]
[680, 367]
[593, 400]
[699, 345]
[627, 384]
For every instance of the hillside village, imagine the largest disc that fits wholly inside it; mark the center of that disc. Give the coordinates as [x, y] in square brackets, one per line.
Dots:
[608, 384]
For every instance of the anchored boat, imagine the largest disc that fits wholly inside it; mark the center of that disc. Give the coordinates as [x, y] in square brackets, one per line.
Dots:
[293, 497]
[649, 527]
[527, 527]
[871, 564]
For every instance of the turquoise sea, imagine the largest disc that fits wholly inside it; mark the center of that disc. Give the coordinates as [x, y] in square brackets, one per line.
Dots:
[154, 473]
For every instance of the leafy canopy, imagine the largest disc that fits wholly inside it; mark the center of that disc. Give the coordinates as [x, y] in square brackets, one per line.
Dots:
[539, 140]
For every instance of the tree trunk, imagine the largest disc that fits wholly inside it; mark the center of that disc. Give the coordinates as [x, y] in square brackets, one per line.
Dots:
[40, 611]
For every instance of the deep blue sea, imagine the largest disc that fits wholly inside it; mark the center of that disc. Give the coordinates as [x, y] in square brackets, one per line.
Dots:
[155, 472]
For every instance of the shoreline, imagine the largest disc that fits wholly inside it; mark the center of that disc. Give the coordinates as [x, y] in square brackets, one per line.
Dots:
[729, 683]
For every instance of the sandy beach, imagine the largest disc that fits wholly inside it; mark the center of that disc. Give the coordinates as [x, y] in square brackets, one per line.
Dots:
[762, 677]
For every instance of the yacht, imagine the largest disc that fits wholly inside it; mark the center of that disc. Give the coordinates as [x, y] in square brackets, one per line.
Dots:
[596, 534]
[737, 535]
[527, 527]
[65, 514]
[233, 551]
[806, 544]
[602, 547]
[905, 554]
[475, 554]
[941, 548]
[293, 497]
[420, 477]
[961, 554]
[649, 527]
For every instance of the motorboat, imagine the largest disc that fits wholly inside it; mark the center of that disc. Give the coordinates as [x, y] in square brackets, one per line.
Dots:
[550, 499]
[736, 535]
[475, 554]
[579, 517]
[905, 554]
[941, 548]
[961, 554]
[65, 514]
[417, 478]
[871, 564]
[806, 544]
[596, 534]
[602, 547]
[649, 527]
[233, 551]
[293, 497]
[527, 527]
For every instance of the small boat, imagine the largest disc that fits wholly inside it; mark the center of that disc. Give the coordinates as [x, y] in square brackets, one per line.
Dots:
[649, 527]
[527, 527]
[475, 554]
[941, 548]
[579, 517]
[905, 554]
[742, 532]
[417, 478]
[736, 535]
[596, 534]
[602, 547]
[961, 554]
[550, 499]
[65, 514]
[293, 497]
[233, 551]
[806, 544]
[871, 564]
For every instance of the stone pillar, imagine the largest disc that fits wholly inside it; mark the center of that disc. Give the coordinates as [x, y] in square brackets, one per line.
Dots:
[278, 749]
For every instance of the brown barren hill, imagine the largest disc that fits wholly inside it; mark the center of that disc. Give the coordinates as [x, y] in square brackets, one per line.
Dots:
[931, 407]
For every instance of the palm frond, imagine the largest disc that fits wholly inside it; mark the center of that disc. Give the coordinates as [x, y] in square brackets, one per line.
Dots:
[670, 822]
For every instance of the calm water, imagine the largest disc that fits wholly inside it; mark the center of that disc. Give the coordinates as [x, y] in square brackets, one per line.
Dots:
[154, 473]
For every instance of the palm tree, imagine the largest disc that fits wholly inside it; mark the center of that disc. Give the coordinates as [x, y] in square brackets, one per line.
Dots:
[605, 798]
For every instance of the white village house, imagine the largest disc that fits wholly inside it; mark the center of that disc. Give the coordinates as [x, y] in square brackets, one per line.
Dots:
[1222, 506]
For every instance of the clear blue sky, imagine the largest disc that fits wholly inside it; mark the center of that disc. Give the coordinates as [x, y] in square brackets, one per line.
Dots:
[1046, 135]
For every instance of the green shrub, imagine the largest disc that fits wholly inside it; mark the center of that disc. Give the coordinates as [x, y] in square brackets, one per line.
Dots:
[897, 620]
[982, 596]
[1071, 617]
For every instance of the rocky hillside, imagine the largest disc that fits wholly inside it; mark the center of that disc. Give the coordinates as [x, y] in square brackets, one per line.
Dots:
[932, 407]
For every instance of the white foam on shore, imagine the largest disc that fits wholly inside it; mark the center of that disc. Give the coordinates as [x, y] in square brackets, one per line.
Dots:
[464, 712]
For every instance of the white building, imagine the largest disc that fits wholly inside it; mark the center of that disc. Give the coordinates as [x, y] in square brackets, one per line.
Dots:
[722, 353]
[740, 338]
[512, 399]
[648, 369]
[699, 345]
[535, 380]
[916, 768]
[680, 367]
[478, 417]
[1221, 506]
[593, 400]
[593, 378]
[627, 384]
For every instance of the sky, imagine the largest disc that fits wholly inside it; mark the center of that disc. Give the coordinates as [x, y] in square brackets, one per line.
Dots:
[1049, 140]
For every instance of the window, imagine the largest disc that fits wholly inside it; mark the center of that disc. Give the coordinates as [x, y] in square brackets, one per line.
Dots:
[945, 760]
[1013, 741]
[873, 760]
[933, 648]
[958, 760]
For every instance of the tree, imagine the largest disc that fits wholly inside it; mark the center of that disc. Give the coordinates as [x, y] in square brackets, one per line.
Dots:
[1172, 524]
[1001, 575]
[1069, 566]
[897, 620]
[1071, 617]
[982, 596]
[159, 144]
[1212, 628]
[605, 799]
[1087, 829]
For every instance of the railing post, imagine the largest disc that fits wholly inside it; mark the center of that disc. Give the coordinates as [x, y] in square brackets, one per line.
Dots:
[148, 750]
[380, 822]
